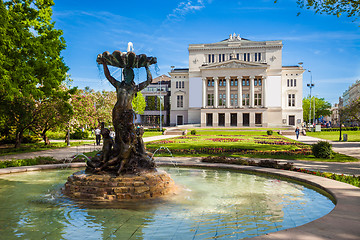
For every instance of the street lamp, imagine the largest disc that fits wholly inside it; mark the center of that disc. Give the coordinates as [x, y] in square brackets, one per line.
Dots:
[311, 85]
[160, 103]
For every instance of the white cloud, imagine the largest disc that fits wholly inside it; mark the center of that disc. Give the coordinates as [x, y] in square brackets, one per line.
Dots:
[184, 8]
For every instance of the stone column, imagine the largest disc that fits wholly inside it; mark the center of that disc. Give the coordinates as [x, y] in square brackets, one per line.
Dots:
[204, 93]
[263, 91]
[227, 92]
[216, 92]
[240, 91]
[252, 92]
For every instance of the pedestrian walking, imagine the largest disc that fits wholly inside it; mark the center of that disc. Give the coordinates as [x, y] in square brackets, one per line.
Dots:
[98, 136]
[297, 132]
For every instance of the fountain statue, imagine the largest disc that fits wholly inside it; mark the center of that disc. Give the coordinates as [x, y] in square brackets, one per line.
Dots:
[123, 169]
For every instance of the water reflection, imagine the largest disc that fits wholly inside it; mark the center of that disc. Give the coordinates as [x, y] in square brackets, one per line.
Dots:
[213, 204]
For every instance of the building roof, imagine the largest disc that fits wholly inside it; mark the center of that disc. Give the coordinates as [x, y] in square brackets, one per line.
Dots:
[162, 78]
[180, 70]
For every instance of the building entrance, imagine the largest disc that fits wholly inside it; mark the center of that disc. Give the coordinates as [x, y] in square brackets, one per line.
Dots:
[292, 120]
[233, 119]
[222, 119]
[209, 119]
[180, 120]
[246, 119]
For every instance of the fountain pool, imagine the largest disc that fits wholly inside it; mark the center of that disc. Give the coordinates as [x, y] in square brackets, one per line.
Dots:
[217, 204]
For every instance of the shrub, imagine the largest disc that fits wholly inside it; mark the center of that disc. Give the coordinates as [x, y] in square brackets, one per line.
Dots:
[269, 132]
[79, 134]
[322, 149]
[26, 139]
[193, 132]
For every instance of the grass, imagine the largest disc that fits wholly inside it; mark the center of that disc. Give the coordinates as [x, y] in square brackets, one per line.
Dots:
[240, 144]
[35, 147]
[353, 136]
[151, 134]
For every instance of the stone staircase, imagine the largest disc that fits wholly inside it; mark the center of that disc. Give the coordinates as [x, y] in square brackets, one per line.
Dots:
[175, 131]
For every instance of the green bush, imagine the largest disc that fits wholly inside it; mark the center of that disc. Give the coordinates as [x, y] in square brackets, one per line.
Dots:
[56, 135]
[79, 134]
[342, 129]
[269, 132]
[322, 149]
[193, 132]
[11, 139]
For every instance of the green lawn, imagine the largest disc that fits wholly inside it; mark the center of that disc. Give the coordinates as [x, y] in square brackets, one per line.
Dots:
[9, 149]
[151, 134]
[239, 144]
[353, 136]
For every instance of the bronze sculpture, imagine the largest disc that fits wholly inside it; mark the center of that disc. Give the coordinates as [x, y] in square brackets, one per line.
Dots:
[127, 153]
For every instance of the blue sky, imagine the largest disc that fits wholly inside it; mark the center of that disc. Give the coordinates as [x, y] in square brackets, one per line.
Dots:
[327, 45]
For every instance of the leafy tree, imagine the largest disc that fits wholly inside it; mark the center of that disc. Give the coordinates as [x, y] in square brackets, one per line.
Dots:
[352, 111]
[139, 103]
[104, 103]
[84, 108]
[350, 8]
[322, 108]
[31, 67]
[53, 112]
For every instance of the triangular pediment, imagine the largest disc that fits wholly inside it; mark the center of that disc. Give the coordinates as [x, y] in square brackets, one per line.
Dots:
[233, 63]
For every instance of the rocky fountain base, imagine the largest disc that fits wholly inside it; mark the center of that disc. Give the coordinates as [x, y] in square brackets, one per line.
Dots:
[93, 187]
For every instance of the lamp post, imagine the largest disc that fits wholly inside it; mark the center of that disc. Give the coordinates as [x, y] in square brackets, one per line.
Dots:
[311, 85]
[160, 98]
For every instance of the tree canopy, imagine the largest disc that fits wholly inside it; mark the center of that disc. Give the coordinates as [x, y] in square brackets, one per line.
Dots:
[350, 8]
[322, 108]
[31, 67]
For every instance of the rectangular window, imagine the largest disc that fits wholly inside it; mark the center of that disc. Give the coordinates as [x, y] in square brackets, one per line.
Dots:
[180, 101]
[238, 56]
[291, 82]
[247, 82]
[219, 57]
[209, 58]
[294, 82]
[209, 83]
[183, 84]
[248, 57]
[224, 82]
[232, 82]
[220, 83]
[236, 82]
[212, 82]
[255, 82]
[260, 82]
[288, 82]
[257, 99]
[177, 84]
[259, 57]
[232, 100]
[213, 58]
[291, 100]
[210, 100]
[222, 99]
[243, 82]
[245, 100]
[256, 57]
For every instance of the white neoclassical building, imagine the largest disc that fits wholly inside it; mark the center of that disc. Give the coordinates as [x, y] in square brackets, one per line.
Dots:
[236, 83]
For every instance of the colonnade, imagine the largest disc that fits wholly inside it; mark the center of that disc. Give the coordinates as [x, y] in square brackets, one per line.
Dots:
[239, 92]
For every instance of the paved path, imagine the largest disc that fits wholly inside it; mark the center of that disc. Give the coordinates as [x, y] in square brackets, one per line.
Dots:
[348, 148]
[69, 152]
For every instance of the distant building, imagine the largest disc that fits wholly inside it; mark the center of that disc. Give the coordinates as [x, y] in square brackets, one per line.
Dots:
[236, 82]
[156, 94]
[352, 93]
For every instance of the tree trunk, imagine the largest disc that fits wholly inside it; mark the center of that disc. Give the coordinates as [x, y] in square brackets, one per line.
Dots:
[19, 138]
[46, 139]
